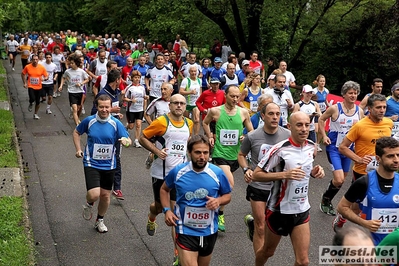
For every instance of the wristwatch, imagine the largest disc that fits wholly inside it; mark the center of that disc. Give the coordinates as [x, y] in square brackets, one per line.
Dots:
[165, 209]
[245, 169]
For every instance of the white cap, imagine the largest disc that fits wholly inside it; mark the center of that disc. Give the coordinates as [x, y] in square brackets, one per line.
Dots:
[308, 88]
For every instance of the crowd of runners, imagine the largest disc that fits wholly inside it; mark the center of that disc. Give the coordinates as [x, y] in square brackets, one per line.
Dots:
[249, 119]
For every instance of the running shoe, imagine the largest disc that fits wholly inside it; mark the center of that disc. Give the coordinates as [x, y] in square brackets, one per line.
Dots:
[249, 222]
[87, 211]
[54, 95]
[100, 226]
[221, 227]
[176, 261]
[59, 94]
[338, 222]
[118, 194]
[151, 227]
[30, 107]
[149, 160]
[327, 207]
[83, 111]
[318, 148]
[48, 111]
[13, 69]
[137, 144]
[36, 117]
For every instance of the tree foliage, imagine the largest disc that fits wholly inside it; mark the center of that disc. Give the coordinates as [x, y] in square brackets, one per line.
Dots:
[342, 39]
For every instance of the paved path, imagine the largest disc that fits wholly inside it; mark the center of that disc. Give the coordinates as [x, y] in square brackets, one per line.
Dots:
[56, 192]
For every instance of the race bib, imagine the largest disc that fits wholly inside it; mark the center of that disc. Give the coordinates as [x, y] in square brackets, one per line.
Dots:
[177, 148]
[142, 80]
[340, 138]
[322, 106]
[388, 217]
[139, 101]
[102, 151]
[34, 81]
[298, 192]
[253, 105]
[197, 217]
[395, 128]
[115, 104]
[228, 137]
[26, 52]
[372, 165]
[102, 71]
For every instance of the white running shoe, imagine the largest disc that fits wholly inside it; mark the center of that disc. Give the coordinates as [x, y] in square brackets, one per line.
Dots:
[137, 144]
[48, 111]
[83, 111]
[35, 116]
[100, 226]
[54, 95]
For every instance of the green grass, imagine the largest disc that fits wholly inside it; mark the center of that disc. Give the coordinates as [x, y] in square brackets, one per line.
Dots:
[3, 91]
[15, 247]
[8, 154]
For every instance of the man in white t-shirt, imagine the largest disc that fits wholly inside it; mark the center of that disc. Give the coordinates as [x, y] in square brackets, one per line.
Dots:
[11, 50]
[157, 75]
[289, 77]
[190, 88]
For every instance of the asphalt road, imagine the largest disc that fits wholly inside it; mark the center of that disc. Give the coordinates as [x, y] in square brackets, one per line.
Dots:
[56, 192]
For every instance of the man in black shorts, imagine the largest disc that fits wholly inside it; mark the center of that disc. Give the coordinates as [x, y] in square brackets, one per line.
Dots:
[104, 132]
[257, 143]
[228, 134]
[198, 222]
[289, 164]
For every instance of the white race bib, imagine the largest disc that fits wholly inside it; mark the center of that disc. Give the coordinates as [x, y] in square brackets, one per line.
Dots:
[372, 165]
[395, 128]
[322, 106]
[389, 219]
[228, 137]
[34, 81]
[253, 105]
[102, 151]
[177, 148]
[298, 192]
[197, 217]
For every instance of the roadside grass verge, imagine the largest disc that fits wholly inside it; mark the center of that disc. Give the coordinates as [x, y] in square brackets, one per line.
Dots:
[15, 248]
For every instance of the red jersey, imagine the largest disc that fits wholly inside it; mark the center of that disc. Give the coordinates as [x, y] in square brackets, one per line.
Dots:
[257, 66]
[91, 56]
[157, 48]
[51, 46]
[209, 99]
[125, 72]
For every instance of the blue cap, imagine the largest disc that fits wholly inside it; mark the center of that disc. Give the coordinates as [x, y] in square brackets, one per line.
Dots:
[214, 80]
[218, 60]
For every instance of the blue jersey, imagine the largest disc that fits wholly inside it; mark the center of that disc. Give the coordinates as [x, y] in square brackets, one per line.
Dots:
[322, 98]
[241, 76]
[217, 73]
[102, 135]
[121, 60]
[205, 73]
[113, 94]
[191, 191]
[392, 107]
[378, 205]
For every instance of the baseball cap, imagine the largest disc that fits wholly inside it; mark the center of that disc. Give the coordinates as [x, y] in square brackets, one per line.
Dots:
[214, 80]
[138, 40]
[58, 37]
[218, 60]
[91, 47]
[245, 62]
[307, 88]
